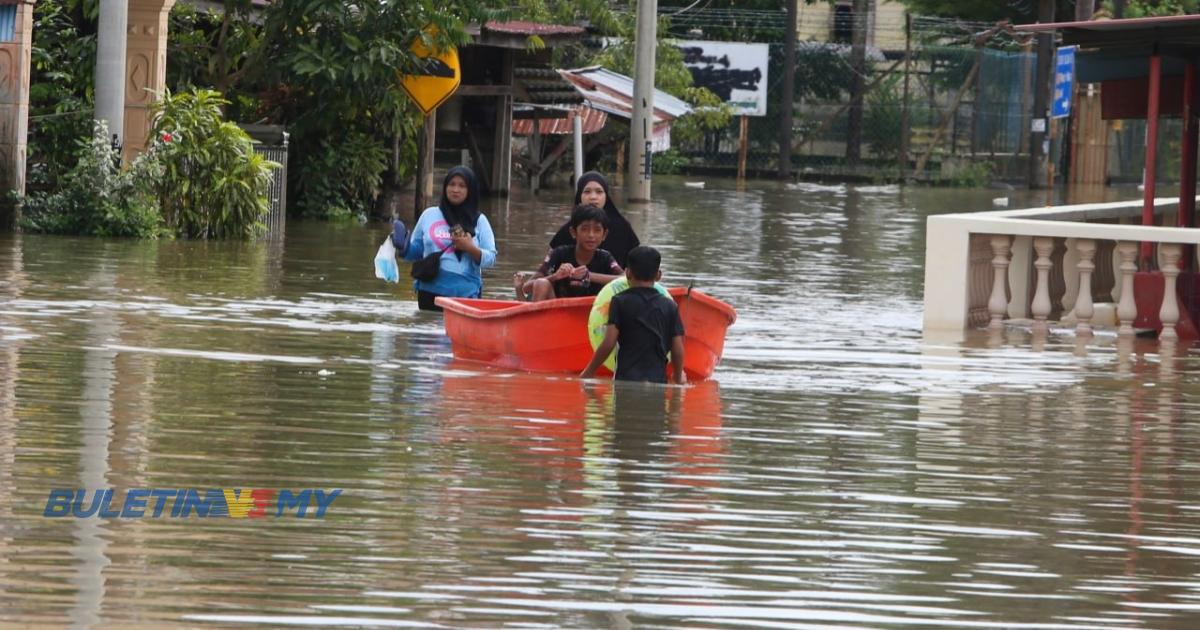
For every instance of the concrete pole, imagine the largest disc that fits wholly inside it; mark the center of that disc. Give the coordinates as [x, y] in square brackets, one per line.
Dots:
[786, 105]
[642, 123]
[577, 128]
[110, 66]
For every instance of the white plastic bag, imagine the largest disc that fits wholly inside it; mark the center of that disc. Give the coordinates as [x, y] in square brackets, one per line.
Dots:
[385, 262]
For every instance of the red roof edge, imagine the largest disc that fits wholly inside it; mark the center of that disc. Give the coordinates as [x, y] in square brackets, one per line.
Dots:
[1111, 25]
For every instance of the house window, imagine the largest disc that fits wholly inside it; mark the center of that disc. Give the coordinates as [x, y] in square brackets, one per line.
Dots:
[8, 22]
[843, 23]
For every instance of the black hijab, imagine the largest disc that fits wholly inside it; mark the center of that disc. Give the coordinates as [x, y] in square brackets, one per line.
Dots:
[465, 214]
[620, 238]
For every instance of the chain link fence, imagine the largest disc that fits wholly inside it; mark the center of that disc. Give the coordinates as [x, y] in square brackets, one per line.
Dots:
[913, 114]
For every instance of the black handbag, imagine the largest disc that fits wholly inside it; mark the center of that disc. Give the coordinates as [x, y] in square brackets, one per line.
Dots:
[426, 269]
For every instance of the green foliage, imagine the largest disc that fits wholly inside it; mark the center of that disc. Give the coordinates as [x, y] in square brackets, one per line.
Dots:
[62, 64]
[971, 175]
[217, 49]
[882, 121]
[213, 184]
[1019, 12]
[96, 197]
[668, 162]
[709, 113]
[822, 70]
[334, 69]
[670, 76]
[760, 20]
[358, 161]
[1150, 8]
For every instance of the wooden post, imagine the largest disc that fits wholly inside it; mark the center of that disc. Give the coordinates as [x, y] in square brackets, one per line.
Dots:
[1050, 133]
[577, 135]
[904, 121]
[424, 194]
[1026, 97]
[502, 140]
[535, 153]
[621, 163]
[742, 148]
[1148, 176]
[1187, 175]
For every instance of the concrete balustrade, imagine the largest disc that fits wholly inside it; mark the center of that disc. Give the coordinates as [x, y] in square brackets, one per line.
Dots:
[1030, 276]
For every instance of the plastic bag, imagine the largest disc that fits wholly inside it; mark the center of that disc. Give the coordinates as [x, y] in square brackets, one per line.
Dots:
[385, 262]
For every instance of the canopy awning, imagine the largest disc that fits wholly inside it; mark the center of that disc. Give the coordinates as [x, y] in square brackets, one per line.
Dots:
[1117, 53]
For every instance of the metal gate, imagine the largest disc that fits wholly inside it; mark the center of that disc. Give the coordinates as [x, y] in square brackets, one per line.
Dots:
[271, 142]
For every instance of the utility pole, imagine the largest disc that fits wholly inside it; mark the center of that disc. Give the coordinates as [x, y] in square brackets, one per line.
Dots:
[785, 111]
[110, 67]
[641, 125]
[1038, 158]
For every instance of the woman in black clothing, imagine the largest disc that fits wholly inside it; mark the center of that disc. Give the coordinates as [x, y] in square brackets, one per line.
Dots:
[592, 190]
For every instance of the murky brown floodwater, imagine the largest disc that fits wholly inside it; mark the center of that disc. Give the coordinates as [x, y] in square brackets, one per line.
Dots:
[840, 472]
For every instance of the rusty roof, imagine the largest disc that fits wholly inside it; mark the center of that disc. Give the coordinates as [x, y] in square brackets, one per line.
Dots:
[532, 28]
[558, 124]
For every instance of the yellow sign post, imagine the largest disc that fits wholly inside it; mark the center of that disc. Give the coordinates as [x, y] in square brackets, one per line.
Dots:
[437, 78]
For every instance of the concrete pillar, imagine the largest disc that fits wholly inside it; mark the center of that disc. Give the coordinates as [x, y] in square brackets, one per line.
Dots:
[642, 122]
[14, 99]
[145, 69]
[110, 65]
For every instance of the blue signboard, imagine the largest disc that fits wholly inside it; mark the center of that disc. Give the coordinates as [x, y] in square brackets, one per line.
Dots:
[1064, 81]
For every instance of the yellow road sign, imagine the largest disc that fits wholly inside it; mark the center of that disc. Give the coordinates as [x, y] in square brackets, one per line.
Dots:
[437, 79]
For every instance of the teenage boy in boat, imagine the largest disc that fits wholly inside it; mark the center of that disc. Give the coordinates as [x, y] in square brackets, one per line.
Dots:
[643, 324]
[578, 269]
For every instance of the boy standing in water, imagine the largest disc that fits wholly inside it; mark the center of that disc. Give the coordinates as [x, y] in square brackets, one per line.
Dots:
[644, 323]
[578, 269]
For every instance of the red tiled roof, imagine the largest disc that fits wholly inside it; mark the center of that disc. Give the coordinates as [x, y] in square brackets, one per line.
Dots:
[532, 28]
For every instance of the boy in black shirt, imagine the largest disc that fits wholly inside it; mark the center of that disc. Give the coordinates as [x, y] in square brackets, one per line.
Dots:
[575, 270]
[644, 323]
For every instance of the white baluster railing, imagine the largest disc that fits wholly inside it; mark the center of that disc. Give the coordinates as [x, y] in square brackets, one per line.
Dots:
[1022, 244]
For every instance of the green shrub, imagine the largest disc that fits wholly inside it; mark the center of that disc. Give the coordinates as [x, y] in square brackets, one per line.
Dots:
[340, 180]
[668, 162]
[213, 184]
[96, 197]
[883, 120]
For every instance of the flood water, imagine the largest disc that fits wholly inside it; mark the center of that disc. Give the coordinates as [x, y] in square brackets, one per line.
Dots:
[839, 471]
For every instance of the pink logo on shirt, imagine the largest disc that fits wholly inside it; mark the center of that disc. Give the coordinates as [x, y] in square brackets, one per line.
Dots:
[439, 233]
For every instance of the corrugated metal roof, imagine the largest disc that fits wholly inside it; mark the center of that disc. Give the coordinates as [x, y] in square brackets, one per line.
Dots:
[593, 121]
[543, 85]
[613, 93]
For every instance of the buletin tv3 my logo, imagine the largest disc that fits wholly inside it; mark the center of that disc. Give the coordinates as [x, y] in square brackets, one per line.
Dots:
[189, 502]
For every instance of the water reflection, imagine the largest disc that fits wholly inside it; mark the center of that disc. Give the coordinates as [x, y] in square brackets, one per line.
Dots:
[841, 470]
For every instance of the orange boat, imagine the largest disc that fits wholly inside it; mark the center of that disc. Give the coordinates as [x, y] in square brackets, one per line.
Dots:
[552, 336]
